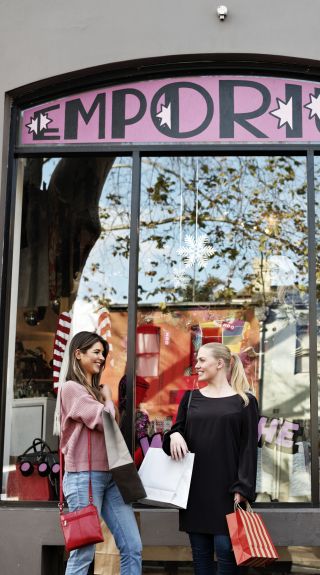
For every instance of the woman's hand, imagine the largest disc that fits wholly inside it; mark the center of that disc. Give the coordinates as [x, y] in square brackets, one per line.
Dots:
[178, 446]
[238, 498]
[106, 393]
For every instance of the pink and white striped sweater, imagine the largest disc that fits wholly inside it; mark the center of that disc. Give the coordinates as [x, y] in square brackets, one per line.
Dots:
[80, 411]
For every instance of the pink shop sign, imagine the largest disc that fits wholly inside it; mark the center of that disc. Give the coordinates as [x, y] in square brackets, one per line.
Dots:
[281, 432]
[204, 109]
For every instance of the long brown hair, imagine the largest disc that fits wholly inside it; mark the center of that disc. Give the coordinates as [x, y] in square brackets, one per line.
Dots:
[83, 341]
[231, 360]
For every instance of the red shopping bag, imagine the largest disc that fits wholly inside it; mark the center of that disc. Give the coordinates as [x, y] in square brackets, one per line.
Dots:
[251, 542]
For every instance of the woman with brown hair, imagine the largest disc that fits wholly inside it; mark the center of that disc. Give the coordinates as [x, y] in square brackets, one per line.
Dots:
[83, 401]
[220, 426]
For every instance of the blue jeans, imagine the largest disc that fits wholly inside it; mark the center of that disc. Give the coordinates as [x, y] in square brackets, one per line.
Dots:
[203, 546]
[118, 516]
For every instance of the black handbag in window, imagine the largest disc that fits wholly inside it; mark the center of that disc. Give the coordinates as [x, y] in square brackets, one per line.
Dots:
[39, 456]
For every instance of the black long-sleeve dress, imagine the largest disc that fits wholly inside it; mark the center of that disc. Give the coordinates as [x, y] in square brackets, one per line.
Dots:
[223, 434]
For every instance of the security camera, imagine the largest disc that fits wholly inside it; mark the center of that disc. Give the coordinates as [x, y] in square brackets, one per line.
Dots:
[222, 12]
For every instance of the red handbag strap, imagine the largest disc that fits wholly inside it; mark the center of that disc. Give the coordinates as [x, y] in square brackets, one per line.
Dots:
[89, 464]
[61, 503]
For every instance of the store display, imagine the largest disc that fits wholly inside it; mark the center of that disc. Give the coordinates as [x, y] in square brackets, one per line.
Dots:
[148, 350]
[154, 441]
[40, 455]
[300, 483]
[32, 372]
[36, 475]
[59, 346]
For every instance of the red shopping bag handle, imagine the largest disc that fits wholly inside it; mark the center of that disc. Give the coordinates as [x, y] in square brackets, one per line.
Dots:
[237, 506]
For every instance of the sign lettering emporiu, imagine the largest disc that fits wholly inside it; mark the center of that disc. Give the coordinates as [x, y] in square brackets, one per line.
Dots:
[203, 109]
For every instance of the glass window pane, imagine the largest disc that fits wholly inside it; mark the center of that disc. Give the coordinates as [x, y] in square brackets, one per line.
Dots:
[224, 257]
[317, 210]
[71, 274]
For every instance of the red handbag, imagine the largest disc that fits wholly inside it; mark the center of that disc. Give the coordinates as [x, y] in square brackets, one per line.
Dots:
[81, 527]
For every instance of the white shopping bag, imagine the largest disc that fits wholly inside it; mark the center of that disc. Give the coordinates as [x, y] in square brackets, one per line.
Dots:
[166, 481]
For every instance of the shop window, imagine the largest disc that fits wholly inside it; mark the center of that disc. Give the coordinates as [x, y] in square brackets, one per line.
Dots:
[223, 258]
[71, 257]
[317, 228]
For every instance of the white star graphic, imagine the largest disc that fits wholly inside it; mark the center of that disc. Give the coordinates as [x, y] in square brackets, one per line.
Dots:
[314, 106]
[44, 121]
[38, 123]
[284, 113]
[165, 115]
[33, 126]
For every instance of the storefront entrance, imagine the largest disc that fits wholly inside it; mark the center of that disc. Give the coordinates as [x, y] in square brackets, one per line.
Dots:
[163, 230]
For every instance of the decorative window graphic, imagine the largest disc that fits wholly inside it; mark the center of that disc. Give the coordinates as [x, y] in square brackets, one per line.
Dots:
[224, 109]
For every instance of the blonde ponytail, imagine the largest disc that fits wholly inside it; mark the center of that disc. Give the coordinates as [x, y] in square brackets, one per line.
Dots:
[239, 380]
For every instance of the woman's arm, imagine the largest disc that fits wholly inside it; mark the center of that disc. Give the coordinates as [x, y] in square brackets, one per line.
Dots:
[79, 405]
[245, 486]
[174, 443]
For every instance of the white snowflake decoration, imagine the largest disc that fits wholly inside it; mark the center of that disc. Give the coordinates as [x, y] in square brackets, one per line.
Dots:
[180, 279]
[196, 251]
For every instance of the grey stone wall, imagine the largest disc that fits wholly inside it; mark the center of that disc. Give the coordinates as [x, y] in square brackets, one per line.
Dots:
[24, 533]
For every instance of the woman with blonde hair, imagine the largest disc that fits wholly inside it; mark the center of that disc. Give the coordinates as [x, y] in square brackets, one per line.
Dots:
[219, 423]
